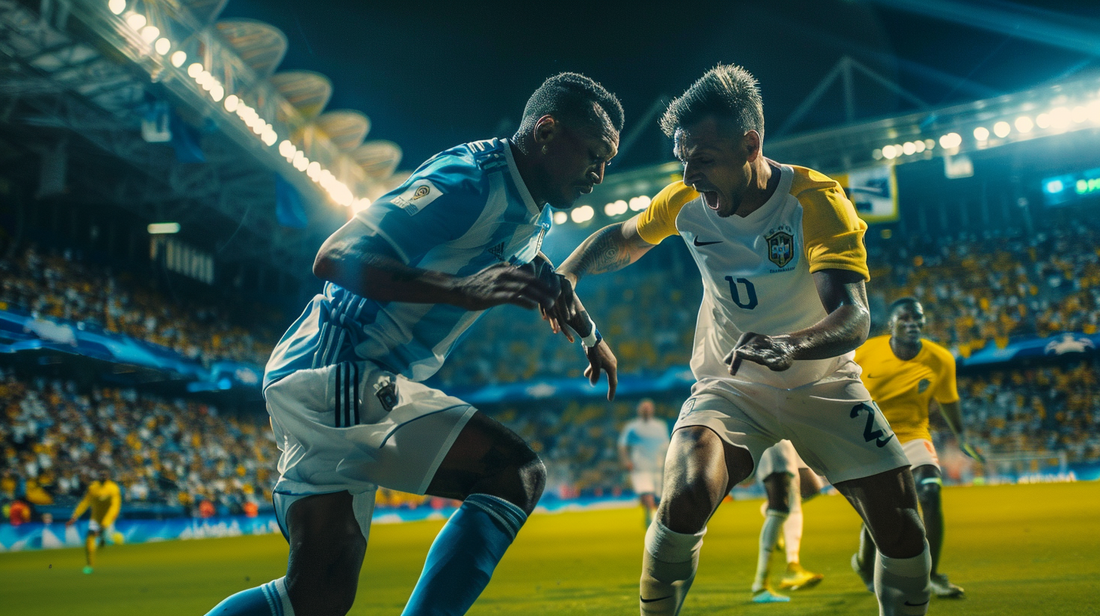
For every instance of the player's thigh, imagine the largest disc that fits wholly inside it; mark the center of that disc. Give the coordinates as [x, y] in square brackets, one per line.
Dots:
[490, 458]
[700, 470]
[887, 502]
[327, 544]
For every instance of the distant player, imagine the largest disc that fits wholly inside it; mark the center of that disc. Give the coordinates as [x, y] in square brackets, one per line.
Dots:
[906, 375]
[780, 250]
[405, 279]
[643, 443]
[104, 498]
[787, 481]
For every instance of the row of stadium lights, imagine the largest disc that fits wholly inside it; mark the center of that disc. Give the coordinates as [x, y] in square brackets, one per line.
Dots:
[337, 190]
[585, 213]
[1059, 119]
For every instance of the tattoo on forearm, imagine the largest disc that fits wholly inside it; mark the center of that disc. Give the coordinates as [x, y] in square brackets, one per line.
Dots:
[605, 254]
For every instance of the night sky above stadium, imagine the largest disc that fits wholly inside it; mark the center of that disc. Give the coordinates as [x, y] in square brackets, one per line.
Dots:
[431, 74]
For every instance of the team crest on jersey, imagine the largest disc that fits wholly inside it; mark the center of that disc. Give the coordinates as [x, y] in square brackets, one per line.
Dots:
[780, 246]
[417, 196]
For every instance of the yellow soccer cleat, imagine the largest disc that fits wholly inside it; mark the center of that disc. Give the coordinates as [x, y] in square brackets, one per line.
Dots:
[797, 578]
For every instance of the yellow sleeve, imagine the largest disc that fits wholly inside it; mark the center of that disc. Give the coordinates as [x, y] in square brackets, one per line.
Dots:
[830, 227]
[83, 505]
[658, 221]
[116, 505]
[947, 390]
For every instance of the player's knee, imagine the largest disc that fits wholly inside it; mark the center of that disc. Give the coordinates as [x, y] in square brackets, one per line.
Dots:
[903, 538]
[533, 478]
[327, 574]
[928, 493]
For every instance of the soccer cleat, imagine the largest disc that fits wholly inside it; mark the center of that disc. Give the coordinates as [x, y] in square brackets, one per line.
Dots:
[945, 589]
[766, 595]
[866, 575]
[798, 578]
[87, 569]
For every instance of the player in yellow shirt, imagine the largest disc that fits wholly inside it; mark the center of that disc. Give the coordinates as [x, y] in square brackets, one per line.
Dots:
[907, 376]
[104, 498]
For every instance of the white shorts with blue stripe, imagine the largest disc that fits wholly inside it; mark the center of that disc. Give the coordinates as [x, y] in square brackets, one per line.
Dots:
[353, 427]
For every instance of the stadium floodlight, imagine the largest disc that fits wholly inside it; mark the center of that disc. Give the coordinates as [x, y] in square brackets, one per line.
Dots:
[1079, 114]
[117, 6]
[286, 149]
[981, 133]
[1002, 129]
[217, 92]
[178, 59]
[136, 21]
[638, 204]
[163, 228]
[1024, 124]
[150, 33]
[919, 145]
[195, 70]
[1059, 117]
[583, 214]
[1043, 120]
[301, 164]
[231, 103]
[609, 209]
[909, 148]
[560, 218]
[313, 170]
[270, 136]
[929, 144]
[162, 45]
[950, 141]
[889, 152]
[364, 203]
[1094, 112]
[876, 153]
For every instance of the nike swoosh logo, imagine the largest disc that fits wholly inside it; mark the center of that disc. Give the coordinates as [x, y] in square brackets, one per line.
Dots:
[644, 600]
[698, 243]
[872, 376]
[917, 604]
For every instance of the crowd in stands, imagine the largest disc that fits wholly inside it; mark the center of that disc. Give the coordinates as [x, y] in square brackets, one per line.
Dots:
[60, 286]
[178, 453]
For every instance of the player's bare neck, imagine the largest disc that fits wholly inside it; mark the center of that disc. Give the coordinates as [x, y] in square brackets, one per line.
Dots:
[527, 171]
[903, 350]
[762, 185]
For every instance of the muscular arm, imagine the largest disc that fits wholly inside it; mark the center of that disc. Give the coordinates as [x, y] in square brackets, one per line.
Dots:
[952, 414]
[607, 250]
[367, 266]
[844, 297]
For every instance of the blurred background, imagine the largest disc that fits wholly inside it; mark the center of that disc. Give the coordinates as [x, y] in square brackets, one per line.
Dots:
[169, 168]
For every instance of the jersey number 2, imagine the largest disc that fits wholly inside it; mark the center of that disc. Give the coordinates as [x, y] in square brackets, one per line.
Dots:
[749, 302]
[870, 433]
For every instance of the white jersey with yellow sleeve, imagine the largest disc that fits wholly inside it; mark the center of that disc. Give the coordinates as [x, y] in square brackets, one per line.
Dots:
[757, 270]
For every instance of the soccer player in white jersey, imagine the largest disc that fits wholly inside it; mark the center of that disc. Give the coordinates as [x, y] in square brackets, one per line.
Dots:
[781, 254]
[643, 443]
[404, 279]
[787, 482]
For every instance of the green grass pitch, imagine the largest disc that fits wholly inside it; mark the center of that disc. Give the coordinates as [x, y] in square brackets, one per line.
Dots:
[1031, 549]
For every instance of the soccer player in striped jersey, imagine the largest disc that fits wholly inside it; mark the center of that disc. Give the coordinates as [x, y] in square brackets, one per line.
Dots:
[906, 376]
[404, 280]
[780, 250]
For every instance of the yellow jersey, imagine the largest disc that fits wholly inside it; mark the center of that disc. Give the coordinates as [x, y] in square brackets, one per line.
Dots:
[903, 389]
[758, 269]
[105, 500]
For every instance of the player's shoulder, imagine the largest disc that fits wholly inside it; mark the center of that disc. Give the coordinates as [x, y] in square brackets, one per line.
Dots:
[674, 196]
[872, 345]
[938, 352]
[465, 166]
[811, 184]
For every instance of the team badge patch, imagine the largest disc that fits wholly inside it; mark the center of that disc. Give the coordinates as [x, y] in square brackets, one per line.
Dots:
[417, 196]
[780, 248]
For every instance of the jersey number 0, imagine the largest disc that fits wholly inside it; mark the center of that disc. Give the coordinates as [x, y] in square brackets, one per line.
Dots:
[748, 302]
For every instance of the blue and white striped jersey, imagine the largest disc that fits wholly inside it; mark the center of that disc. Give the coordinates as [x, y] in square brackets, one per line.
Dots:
[462, 211]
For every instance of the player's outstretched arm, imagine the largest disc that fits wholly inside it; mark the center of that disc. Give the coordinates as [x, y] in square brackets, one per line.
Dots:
[607, 250]
[368, 266]
[845, 327]
[952, 415]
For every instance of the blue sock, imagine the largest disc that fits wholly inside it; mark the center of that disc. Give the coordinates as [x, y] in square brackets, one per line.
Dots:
[271, 599]
[463, 556]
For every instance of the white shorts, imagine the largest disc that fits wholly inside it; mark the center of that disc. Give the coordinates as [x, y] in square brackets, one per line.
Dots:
[646, 482]
[779, 458]
[353, 427]
[94, 526]
[921, 452]
[833, 424]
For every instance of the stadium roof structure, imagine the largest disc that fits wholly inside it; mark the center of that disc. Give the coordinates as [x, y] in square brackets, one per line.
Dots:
[102, 83]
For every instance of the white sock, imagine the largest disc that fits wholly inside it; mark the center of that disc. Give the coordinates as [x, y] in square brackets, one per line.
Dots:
[901, 584]
[669, 561]
[769, 534]
[792, 529]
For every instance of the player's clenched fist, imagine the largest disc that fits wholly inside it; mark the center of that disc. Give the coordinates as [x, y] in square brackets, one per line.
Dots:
[501, 284]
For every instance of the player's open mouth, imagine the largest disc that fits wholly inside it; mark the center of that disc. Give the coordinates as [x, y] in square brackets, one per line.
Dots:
[710, 197]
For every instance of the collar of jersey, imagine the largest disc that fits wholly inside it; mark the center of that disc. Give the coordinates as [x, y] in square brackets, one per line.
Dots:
[528, 200]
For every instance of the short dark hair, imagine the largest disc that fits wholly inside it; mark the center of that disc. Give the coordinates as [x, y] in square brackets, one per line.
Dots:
[572, 97]
[898, 304]
[726, 91]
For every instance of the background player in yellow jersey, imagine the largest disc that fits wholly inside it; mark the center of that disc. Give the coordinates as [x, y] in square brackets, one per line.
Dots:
[780, 251]
[906, 377]
[104, 498]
